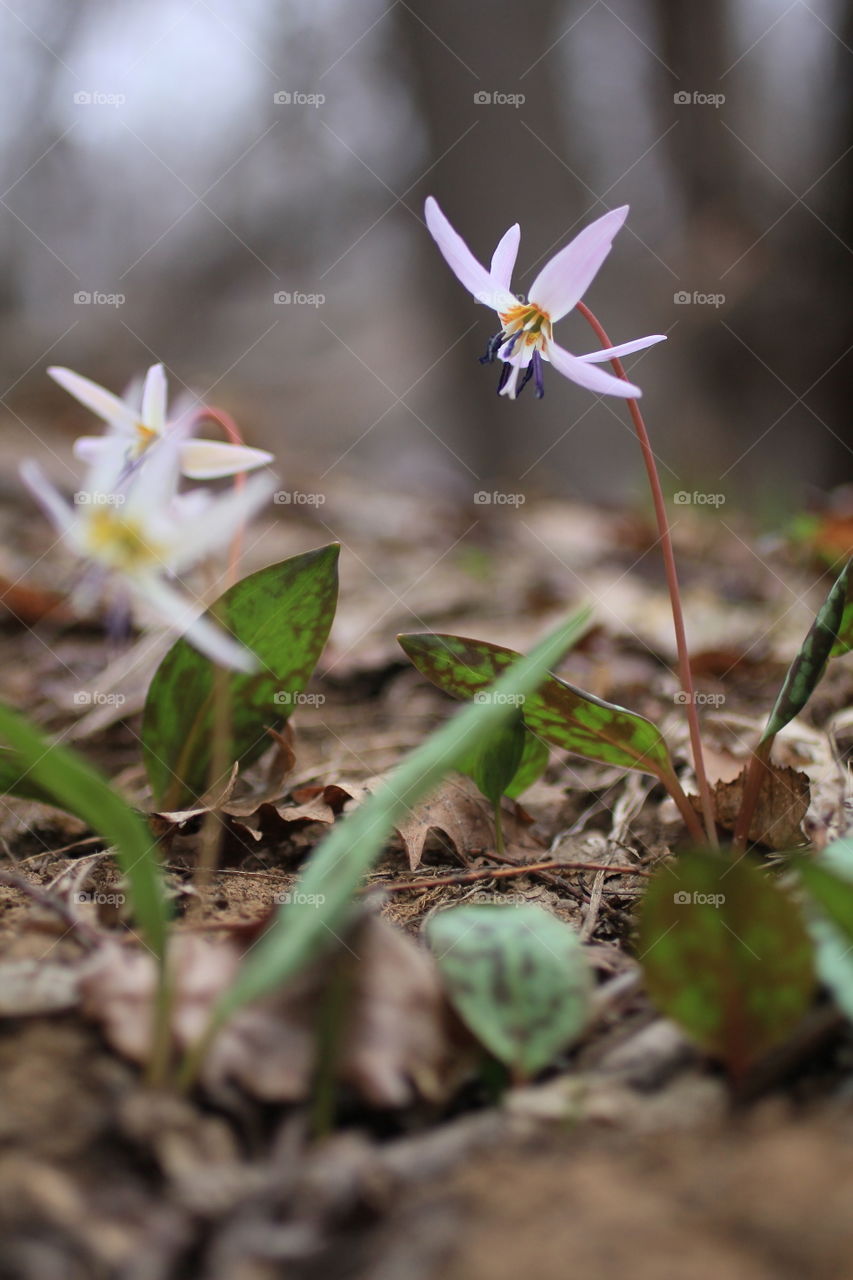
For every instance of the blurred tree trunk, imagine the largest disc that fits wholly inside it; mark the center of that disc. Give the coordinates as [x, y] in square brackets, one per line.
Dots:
[490, 163]
[36, 136]
[786, 280]
[694, 44]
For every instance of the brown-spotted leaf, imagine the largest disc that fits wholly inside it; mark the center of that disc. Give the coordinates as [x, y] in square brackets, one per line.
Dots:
[825, 636]
[283, 614]
[558, 712]
[726, 954]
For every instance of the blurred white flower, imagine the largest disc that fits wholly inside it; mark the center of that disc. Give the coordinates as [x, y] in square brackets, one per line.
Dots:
[139, 426]
[525, 338]
[144, 533]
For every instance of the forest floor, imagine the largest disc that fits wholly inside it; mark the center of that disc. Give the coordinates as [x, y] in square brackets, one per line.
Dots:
[631, 1155]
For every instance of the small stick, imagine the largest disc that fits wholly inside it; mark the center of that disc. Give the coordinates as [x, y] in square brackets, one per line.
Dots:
[505, 873]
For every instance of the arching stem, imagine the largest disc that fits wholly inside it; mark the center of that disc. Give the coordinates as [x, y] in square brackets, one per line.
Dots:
[685, 674]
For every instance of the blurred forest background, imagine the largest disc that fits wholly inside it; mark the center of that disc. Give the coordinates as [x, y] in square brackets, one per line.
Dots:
[190, 165]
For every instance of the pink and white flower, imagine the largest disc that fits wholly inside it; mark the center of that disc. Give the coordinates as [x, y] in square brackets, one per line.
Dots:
[525, 338]
[141, 420]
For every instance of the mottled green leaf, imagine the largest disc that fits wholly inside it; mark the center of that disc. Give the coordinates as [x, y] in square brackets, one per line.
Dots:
[844, 642]
[517, 977]
[828, 881]
[832, 893]
[726, 954]
[534, 760]
[497, 759]
[808, 666]
[325, 888]
[72, 784]
[557, 712]
[283, 614]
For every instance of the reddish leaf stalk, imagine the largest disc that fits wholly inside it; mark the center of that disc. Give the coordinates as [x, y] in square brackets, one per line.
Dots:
[685, 674]
[752, 786]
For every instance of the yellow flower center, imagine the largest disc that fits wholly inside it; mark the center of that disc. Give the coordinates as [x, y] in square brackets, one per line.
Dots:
[120, 542]
[531, 323]
[145, 436]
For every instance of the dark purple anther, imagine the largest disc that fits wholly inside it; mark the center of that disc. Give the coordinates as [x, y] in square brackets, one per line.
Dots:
[539, 382]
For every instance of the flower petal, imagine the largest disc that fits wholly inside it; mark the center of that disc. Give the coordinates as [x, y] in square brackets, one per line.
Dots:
[154, 480]
[184, 616]
[586, 375]
[624, 349]
[503, 258]
[463, 264]
[213, 459]
[154, 394]
[51, 501]
[98, 399]
[89, 448]
[566, 278]
[215, 526]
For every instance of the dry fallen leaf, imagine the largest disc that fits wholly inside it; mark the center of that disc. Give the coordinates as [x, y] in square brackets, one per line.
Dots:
[34, 986]
[398, 1038]
[779, 813]
[464, 816]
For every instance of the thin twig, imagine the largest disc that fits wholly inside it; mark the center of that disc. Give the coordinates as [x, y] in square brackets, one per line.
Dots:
[504, 873]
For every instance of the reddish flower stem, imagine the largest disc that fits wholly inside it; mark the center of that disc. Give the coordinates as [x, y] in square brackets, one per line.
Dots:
[684, 671]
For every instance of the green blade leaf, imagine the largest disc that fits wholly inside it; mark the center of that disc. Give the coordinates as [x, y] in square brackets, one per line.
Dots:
[283, 614]
[557, 712]
[74, 785]
[726, 954]
[335, 869]
[517, 977]
[808, 666]
[17, 780]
